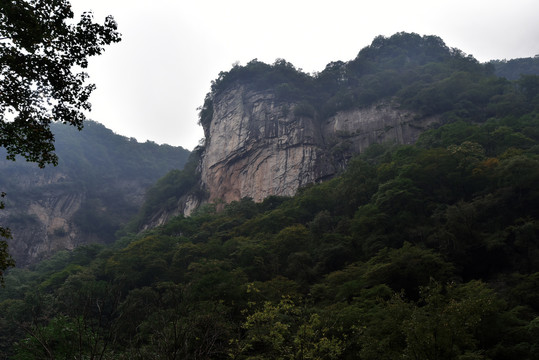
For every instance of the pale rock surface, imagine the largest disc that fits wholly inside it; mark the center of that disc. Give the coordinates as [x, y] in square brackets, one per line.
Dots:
[41, 214]
[185, 206]
[257, 147]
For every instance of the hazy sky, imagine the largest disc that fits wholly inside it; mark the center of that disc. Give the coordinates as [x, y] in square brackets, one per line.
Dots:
[150, 84]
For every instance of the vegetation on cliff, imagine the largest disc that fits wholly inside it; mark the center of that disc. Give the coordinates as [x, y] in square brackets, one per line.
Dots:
[420, 73]
[168, 191]
[425, 251]
[106, 172]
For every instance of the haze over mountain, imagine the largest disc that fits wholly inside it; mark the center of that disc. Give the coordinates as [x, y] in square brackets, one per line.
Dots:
[98, 185]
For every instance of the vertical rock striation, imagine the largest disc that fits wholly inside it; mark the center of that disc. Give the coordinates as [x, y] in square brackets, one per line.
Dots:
[44, 210]
[257, 146]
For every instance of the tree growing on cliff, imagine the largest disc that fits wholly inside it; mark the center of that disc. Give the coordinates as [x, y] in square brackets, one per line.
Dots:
[41, 52]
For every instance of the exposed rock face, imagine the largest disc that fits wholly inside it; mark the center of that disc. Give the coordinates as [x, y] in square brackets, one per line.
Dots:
[98, 186]
[47, 229]
[42, 213]
[377, 124]
[185, 206]
[257, 146]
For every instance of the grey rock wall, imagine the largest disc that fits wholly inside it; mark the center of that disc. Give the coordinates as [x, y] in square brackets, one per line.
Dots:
[41, 212]
[256, 146]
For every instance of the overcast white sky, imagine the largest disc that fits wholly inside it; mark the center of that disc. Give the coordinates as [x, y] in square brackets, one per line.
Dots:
[150, 84]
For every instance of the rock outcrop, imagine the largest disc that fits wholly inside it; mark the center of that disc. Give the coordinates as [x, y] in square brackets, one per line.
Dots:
[98, 186]
[185, 205]
[257, 146]
[44, 225]
[48, 211]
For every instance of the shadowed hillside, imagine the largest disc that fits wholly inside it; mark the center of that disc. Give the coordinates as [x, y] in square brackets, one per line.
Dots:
[97, 187]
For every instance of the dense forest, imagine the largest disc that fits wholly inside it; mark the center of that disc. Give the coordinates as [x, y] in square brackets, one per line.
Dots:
[417, 72]
[424, 251]
[513, 69]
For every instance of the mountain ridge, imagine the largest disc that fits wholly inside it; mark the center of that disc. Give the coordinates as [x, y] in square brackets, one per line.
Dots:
[304, 128]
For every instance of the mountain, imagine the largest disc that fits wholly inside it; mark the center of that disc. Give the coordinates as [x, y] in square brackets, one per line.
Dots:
[98, 185]
[271, 129]
[423, 250]
[258, 146]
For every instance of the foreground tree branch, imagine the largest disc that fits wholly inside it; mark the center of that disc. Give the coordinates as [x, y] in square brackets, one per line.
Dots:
[42, 55]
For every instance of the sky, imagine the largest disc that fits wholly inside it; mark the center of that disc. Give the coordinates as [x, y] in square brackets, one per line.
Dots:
[150, 85]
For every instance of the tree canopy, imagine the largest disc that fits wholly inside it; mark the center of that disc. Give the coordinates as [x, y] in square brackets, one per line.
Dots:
[40, 52]
[428, 250]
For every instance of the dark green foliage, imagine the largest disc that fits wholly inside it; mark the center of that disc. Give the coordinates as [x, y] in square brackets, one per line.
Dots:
[418, 72]
[428, 250]
[289, 81]
[5, 259]
[206, 112]
[97, 150]
[513, 69]
[165, 194]
[425, 251]
[41, 50]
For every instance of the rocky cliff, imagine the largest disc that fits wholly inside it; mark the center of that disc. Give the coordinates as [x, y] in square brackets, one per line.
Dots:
[50, 210]
[272, 129]
[41, 213]
[258, 146]
[99, 184]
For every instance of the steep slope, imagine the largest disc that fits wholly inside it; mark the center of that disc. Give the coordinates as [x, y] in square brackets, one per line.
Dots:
[258, 147]
[98, 185]
[272, 129]
[427, 250]
[436, 240]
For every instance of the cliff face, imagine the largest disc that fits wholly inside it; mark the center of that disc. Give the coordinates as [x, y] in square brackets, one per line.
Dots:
[359, 128]
[185, 205]
[257, 146]
[42, 223]
[48, 210]
[99, 184]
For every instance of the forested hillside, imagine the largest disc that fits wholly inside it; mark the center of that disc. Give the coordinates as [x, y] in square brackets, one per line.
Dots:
[98, 185]
[417, 72]
[419, 80]
[513, 69]
[424, 251]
